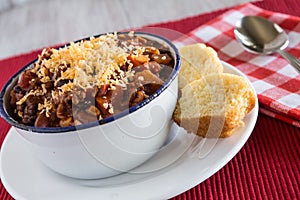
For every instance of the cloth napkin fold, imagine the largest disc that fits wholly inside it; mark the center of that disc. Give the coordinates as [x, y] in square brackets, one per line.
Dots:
[276, 82]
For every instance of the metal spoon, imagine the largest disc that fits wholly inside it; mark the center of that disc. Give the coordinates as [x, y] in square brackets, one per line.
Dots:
[258, 35]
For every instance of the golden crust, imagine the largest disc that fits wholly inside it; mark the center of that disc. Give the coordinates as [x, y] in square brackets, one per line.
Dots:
[199, 111]
[197, 60]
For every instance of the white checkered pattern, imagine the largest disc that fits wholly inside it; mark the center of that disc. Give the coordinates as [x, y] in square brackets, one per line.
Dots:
[207, 33]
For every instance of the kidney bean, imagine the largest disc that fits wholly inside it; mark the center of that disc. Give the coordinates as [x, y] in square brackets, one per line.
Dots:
[24, 80]
[42, 120]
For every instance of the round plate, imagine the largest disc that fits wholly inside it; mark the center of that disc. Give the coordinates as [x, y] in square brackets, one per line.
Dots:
[184, 161]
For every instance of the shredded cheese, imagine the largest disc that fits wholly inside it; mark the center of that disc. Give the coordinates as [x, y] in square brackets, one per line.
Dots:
[45, 107]
[83, 64]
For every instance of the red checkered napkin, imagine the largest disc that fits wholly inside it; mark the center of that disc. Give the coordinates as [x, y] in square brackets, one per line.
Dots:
[276, 82]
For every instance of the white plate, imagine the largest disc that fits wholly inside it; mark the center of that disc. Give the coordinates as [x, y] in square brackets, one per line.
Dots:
[178, 167]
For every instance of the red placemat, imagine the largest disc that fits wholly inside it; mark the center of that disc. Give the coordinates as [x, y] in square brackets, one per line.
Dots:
[267, 167]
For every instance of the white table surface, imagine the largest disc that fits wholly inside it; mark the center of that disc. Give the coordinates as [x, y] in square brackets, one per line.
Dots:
[26, 25]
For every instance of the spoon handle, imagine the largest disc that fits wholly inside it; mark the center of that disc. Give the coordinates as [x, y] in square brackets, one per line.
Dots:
[295, 62]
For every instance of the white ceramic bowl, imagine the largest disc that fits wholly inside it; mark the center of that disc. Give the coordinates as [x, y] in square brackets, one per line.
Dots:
[107, 147]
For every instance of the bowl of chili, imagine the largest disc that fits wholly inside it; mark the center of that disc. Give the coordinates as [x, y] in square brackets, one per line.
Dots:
[96, 107]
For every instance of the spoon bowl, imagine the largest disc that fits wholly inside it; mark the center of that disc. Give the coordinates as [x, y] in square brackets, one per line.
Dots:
[259, 35]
